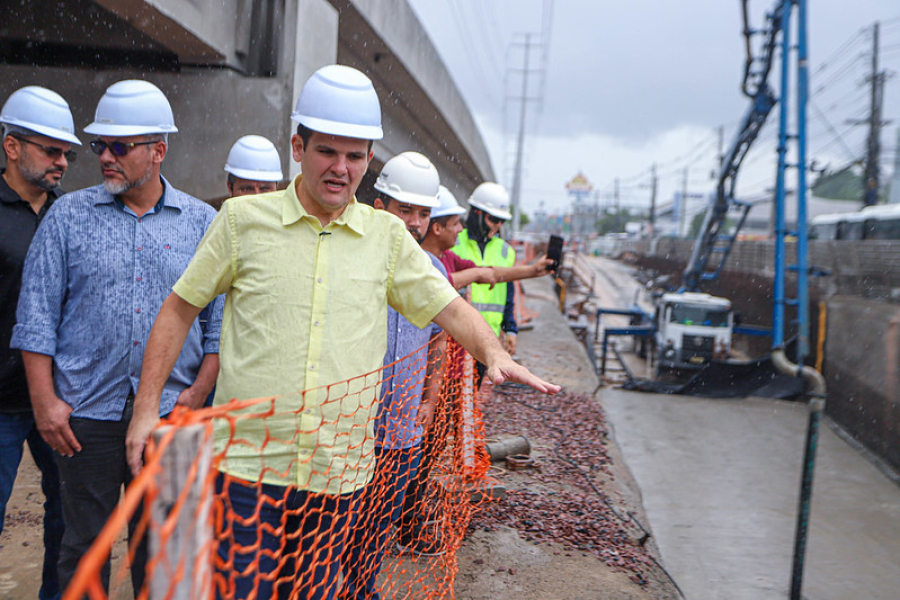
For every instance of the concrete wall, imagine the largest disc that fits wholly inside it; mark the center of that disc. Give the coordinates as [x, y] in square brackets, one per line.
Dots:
[204, 56]
[869, 269]
[862, 368]
[212, 107]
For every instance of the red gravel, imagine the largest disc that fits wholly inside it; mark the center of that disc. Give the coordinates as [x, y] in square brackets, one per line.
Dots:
[555, 503]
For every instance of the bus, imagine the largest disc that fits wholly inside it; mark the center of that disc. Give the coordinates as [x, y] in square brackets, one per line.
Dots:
[880, 222]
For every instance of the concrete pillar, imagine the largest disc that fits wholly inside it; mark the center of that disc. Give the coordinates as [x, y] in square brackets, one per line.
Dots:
[315, 45]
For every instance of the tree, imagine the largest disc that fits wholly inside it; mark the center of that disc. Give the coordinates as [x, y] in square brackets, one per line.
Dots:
[843, 184]
[613, 221]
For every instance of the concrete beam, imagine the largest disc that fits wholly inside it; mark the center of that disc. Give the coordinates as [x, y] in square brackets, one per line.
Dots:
[197, 31]
[422, 107]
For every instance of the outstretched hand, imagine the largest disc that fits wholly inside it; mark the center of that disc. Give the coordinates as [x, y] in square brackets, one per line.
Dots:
[508, 370]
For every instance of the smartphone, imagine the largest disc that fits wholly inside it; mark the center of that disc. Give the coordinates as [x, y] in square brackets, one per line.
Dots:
[554, 251]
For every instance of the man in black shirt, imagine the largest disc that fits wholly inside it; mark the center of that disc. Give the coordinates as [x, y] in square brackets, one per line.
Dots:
[38, 134]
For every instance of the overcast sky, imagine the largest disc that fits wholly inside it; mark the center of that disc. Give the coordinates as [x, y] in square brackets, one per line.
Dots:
[627, 84]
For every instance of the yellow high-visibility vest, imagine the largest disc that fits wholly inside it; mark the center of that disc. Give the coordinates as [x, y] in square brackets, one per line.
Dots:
[489, 302]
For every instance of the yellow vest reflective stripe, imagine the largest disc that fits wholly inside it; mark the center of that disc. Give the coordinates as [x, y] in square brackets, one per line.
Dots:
[489, 302]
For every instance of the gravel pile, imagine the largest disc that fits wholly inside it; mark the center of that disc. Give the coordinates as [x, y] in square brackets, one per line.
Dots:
[560, 500]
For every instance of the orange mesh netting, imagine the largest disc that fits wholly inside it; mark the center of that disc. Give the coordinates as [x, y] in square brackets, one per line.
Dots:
[284, 497]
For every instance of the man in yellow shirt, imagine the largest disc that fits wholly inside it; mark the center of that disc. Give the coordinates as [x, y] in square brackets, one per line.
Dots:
[308, 274]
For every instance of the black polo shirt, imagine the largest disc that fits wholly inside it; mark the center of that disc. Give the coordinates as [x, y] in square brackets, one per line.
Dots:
[18, 223]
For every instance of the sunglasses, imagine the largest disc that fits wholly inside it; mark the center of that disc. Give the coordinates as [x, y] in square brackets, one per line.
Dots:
[117, 148]
[52, 152]
[495, 220]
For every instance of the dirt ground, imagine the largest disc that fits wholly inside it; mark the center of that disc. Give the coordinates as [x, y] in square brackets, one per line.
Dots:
[496, 561]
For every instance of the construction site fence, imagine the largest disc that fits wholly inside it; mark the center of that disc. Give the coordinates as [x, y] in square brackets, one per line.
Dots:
[202, 544]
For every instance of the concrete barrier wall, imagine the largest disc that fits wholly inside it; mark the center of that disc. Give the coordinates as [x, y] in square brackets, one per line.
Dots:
[862, 343]
[862, 369]
[869, 269]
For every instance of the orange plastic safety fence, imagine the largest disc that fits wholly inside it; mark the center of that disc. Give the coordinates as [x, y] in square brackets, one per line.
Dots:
[302, 496]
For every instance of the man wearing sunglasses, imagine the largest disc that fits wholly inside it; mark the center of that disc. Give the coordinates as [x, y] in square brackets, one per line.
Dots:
[480, 243]
[99, 268]
[37, 140]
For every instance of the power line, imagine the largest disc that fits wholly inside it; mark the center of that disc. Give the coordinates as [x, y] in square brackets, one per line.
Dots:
[475, 58]
[831, 128]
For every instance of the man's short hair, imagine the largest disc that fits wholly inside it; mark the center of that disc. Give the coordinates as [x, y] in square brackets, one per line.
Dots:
[230, 181]
[305, 133]
[443, 221]
[9, 129]
[15, 131]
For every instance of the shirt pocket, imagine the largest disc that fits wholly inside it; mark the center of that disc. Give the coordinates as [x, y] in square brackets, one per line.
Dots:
[169, 260]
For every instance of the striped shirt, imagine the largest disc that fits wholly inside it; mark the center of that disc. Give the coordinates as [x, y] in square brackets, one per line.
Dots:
[405, 364]
[95, 278]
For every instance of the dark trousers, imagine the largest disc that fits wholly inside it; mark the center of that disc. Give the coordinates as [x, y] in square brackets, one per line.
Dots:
[17, 429]
[91, 482]
[381, 505]
[278, 542]
[420, 503]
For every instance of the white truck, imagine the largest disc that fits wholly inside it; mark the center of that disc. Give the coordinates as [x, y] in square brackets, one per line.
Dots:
[692, 329]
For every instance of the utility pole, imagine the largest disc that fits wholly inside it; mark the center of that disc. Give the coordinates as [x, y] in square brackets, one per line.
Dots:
[682, 212]
[721, 148]
[520, 143]
[873, 146]
[653, 183]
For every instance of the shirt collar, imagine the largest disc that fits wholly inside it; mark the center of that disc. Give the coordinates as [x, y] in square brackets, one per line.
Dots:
[167, 200]
[10, 196]
[292, 211]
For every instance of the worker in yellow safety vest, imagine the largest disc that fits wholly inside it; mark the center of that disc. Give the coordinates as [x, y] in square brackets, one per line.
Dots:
[480, 242]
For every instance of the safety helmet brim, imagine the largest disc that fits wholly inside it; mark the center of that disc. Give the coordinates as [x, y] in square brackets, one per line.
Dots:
[409, 197]
[50, 132]
[126, 130]
[252, 175]
[444, 212]
[350, 130]
[498, 213]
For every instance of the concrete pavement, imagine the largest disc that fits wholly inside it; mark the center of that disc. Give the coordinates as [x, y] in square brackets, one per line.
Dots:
[720, 481]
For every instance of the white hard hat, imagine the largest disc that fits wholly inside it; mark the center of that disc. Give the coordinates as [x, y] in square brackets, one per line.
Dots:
[132, 107]
[411, 178]
[340, 100]
[493, 199]
[255, 158]
[42, 111]
[448, 206]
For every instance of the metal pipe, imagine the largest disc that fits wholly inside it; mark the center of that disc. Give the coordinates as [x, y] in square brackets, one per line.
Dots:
[778, 287]
[802, 245]
[816, 408]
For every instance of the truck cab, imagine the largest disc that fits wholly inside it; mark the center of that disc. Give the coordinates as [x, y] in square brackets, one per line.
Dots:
[692, 330]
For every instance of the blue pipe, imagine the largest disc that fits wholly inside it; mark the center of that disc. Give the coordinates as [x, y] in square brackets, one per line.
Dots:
[778, 322]
[802, 233]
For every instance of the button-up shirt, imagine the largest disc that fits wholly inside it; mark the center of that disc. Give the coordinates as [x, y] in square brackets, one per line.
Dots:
[305, 323]
[95, 278]
[18, 222]
[405, 365]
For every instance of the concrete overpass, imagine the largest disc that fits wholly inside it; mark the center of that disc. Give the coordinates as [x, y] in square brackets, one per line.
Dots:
[233, 67]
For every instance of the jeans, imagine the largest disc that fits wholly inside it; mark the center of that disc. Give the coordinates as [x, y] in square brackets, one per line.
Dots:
[279, 542]
[381, 506]
[91, 483]
[15, 430]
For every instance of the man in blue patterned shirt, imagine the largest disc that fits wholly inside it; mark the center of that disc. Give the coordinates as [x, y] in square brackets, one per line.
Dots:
[38, 137]
[97, 272]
